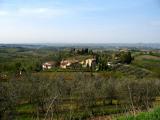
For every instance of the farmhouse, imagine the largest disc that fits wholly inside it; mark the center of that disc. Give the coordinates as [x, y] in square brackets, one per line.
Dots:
[67, 63]
[64, 64]
[76, 64]
[88, 62]
[48, 65]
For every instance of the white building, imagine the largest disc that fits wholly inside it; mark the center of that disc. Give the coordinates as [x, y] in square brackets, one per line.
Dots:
[88, 62]
[48, 65]
[65, 63]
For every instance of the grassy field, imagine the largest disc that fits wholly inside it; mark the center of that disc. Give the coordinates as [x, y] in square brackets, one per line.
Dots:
[148, 62]
[147, 57]
[153, 115]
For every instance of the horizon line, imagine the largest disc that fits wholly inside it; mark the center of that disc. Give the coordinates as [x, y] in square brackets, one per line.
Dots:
[86, 43]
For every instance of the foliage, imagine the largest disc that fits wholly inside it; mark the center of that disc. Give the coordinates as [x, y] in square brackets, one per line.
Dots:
[125, 57]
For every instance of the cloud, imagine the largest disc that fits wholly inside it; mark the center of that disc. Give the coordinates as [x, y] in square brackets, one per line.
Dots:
[36, 12]
[41, 12]
[33, 11]
[4, 13]
[90, 9]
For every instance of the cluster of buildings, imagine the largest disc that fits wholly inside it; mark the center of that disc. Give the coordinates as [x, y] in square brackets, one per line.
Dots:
[75, 64]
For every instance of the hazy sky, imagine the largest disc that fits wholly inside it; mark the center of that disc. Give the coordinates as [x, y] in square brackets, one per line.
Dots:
[79, 21]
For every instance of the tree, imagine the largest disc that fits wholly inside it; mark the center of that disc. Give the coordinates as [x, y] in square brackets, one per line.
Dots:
[125, 57]
[141, 93]
[111, 91]
[8, 100]
[40, 93]
[38, 67]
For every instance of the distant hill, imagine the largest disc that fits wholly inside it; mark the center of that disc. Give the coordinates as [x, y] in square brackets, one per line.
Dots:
[88, 45]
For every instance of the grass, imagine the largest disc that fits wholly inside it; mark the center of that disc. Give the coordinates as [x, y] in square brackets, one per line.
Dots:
[153, 115]
[148, 57]
[148, 62]
[133, 71]
[26, 108]
[27, 111]
[24, 117]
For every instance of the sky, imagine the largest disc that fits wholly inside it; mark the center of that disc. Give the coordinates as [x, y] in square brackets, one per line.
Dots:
[79, 21]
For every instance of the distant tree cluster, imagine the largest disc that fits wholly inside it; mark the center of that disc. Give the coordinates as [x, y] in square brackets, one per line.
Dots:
[82, 51]
[125, 57]
[102, 61]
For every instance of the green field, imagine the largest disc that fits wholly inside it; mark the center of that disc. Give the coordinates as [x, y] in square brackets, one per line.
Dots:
[148, 62]
[152, 115]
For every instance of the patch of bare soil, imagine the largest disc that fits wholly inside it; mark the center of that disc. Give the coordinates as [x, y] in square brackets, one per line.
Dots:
[101, 118]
